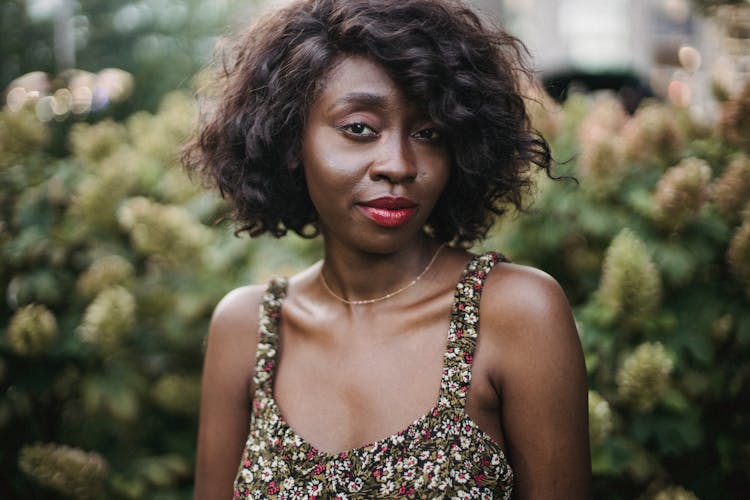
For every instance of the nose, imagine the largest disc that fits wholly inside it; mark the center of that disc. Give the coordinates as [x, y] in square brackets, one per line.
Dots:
[395, 161]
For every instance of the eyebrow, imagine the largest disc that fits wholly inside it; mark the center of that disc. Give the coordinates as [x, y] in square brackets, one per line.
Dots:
[365, 99]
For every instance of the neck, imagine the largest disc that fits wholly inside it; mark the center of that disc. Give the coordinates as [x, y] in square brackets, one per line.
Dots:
[364, 276]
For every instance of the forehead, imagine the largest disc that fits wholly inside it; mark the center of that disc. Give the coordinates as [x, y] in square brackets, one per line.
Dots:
[359, 78]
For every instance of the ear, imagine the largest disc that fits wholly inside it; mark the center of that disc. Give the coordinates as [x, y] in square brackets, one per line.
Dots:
[294, 158]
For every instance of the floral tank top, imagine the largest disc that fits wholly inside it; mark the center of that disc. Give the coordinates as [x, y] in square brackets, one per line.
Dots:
[442, 454]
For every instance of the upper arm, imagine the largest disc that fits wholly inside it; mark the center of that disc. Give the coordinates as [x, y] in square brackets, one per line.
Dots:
[226, 391]
[541, 377]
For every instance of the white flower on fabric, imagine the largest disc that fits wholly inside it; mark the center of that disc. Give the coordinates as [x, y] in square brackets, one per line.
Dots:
[314, 488]
[462, 477]
[247, 476]
[355, 485]
[386, 489]
[266, 474]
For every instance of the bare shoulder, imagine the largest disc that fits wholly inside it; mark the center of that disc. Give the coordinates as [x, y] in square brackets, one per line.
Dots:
[237, 311]
[233, 333]
[227, 390]
[537, 367]
[527, 302]
[527, 323]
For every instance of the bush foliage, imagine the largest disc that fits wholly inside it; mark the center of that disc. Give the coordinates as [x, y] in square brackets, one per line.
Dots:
[111, 262]
[653, 249]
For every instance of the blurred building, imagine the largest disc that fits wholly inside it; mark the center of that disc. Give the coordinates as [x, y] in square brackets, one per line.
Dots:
[635, 47]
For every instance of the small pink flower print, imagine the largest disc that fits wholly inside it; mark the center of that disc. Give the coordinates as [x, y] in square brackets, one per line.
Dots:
[272, 488]
[468, 357]
[480, 478]
[319, 469]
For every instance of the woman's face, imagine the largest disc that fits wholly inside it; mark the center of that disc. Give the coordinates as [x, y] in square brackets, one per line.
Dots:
[375, 165]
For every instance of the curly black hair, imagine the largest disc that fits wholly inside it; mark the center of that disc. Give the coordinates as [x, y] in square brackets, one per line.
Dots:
[468, 77]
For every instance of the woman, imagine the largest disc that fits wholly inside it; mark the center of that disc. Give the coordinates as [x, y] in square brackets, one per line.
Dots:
[395, 130]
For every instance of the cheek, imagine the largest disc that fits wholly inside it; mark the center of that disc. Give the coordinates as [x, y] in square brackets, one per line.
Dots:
[441, 176]
[331, 179]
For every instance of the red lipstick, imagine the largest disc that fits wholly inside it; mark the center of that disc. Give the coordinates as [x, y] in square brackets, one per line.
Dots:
[389, 211]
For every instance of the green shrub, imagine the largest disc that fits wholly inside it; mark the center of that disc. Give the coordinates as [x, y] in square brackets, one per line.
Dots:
[653, 248]
[111, 262]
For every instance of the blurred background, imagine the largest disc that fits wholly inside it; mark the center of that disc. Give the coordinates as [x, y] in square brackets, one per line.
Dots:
[111, 260]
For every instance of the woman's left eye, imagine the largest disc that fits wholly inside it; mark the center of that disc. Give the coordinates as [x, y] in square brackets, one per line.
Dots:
[427, 134]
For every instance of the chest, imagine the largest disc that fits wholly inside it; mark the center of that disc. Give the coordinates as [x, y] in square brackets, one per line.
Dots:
[326, 431]
[343, 384]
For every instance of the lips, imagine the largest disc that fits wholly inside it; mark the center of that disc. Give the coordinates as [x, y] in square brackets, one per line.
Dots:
[389, 211]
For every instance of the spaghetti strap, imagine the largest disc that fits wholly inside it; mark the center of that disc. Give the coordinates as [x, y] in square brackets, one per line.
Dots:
[463, 330]
[265, 356]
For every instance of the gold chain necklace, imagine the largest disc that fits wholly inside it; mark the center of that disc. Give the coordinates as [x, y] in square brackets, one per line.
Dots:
[386, 296]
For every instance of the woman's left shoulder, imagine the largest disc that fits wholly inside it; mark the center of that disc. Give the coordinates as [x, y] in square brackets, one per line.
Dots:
[533, 358]
[527, 305]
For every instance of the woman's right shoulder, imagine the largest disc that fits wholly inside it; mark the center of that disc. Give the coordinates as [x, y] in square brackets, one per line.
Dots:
[235, 317]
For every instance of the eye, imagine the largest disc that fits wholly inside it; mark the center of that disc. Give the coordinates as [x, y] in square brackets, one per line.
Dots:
[427, 134]
[359, 130]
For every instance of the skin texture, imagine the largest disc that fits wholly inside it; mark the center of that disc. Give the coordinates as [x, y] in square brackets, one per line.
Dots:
[349, 375]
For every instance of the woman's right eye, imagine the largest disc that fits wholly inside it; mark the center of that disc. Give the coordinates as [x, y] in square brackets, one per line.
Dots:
[359, 129]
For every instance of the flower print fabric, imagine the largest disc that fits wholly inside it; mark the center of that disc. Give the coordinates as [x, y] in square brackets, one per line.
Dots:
[442, 454]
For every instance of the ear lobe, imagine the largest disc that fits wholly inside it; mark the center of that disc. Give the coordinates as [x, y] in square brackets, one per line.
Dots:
[293, 161]
[294, 158]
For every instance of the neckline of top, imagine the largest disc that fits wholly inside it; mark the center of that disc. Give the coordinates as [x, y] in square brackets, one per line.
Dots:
[457, 356]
